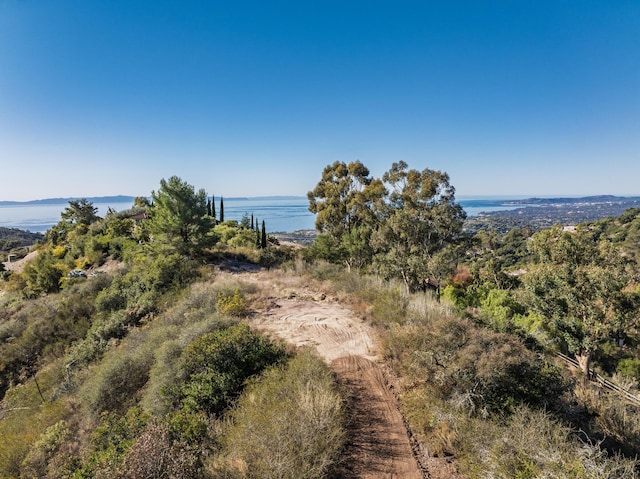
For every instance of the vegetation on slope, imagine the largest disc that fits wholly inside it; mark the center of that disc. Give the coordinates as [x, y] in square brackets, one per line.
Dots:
[150, 369]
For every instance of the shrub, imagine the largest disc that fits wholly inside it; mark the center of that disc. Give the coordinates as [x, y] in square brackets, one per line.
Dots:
[290, 423]
[155, 455]
[35, 464]
[111, 441]
[217, 364]
[532, 445]
[629, 367]
[234, 305]
[116, 381]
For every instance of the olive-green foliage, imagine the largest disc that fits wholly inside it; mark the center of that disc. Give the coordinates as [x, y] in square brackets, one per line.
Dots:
[323, 271]
[35, 464]
[111, 441]
[289, 423]
[217, 365]
[327, 248]
[179, 216]
[233, 305]
[389, 306]
[531, 444]
[115, 382]
[103, 329]
[25, 419]
[500, 307]
[474, 367]
[42, 328]
[193, 316]
[43, 274]
[243, 238]
[138, 288]
[629, 367]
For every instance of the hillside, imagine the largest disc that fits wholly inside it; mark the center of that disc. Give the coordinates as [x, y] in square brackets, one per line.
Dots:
[541, 213]
[179, 346]
[11, 238]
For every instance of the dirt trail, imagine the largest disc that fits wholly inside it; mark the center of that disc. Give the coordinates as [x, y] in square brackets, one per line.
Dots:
[378, 445]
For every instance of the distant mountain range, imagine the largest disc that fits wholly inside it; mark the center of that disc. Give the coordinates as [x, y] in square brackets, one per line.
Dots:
[568, 201]
[130, 199]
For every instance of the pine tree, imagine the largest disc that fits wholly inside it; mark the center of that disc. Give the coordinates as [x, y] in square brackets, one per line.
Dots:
[221, 210]
[263, 240]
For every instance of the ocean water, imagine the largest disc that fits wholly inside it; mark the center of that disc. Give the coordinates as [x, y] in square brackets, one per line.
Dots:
[279, 214]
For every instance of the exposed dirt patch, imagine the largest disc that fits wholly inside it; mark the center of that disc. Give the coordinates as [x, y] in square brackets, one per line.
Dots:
[18, 265]
[379, 444]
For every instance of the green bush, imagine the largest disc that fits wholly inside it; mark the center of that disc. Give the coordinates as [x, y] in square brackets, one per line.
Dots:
[500, 306]
[43, 274]
[111, 441]
[234, 305]
[35, 464]
[217, 365]
[629, 367]
[289, 423]
[115, 382]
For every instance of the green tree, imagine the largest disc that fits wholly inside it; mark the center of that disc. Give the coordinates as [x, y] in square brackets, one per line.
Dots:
[179, 216]
[80, 212]
[580, 284]
[244, 221]
[419, 220]
[141, 202]
[43, 274]
[341, 198]
[347, 202]
[263, 238]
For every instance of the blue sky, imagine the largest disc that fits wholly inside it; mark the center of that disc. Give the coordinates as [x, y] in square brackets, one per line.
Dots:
[249, 98]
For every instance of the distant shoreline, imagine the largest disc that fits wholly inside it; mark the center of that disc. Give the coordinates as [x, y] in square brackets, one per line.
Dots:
[130, 199]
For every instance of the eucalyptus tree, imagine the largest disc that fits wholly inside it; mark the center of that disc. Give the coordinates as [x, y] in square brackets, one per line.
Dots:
[346, 201]
[582, 286]
[418, 222]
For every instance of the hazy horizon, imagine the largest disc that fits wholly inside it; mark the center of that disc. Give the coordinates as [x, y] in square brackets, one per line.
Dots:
[459, 198]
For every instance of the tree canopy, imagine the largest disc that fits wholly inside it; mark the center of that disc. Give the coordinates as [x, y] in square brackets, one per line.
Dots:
[179, 215]
[401, 223]
[580, 284]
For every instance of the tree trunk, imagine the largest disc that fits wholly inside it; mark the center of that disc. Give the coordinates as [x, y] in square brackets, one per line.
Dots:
[584, 361]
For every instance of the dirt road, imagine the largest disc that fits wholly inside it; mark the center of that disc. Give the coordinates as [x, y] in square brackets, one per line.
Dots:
[378, 445]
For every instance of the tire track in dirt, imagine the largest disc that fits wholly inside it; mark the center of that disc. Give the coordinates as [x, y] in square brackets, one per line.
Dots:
[378, 444]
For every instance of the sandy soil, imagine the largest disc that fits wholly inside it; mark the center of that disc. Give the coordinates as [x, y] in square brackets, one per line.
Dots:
[379, 444]
[18, 266]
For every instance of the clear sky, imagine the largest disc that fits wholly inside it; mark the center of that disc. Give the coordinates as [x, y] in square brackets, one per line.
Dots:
[250, 98]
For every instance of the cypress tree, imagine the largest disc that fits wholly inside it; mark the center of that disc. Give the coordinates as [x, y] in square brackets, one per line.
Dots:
[263, 240]
[213, 206]
[209, 206]
[257, 236]
[221, 210]
[252, 227]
